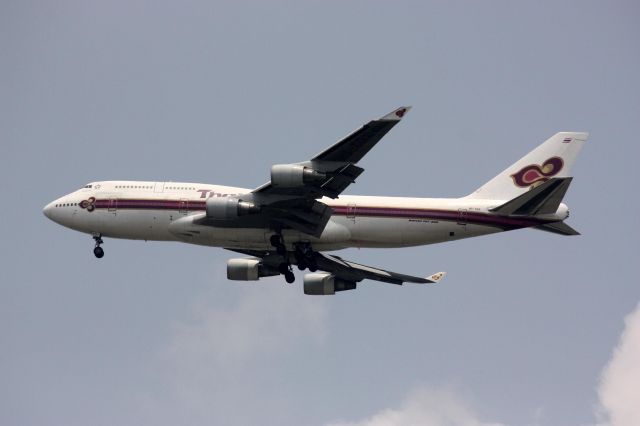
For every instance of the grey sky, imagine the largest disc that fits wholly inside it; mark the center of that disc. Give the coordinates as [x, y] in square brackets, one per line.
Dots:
[517, 334]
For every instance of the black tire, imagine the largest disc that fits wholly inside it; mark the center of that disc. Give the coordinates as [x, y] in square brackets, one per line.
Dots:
[289, 277]
[283, 268]
[300, 260]
[98, 252]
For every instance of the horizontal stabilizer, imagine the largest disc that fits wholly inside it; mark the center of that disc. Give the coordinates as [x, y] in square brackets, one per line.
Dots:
[543, 199]
[558, 228]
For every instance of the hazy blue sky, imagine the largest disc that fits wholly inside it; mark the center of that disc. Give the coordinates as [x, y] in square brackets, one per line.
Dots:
[519, 333]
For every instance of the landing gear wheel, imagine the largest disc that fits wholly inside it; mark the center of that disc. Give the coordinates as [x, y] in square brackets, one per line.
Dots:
[98, 252]
[300, 260]
[289, 277]
[305, 257]
[277, 242]
[283, 268]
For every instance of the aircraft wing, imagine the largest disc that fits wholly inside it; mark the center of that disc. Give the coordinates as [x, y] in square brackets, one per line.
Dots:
[351, 271]
[347, 270]
[355, 146]
[289, 200]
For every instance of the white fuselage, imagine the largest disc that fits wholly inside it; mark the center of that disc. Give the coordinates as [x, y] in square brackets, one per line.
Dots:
[165, 211]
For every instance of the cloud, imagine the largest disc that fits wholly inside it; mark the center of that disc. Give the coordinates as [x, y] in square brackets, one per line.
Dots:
[226, 354]
[619, 389]
[261, 322]
[425, 407]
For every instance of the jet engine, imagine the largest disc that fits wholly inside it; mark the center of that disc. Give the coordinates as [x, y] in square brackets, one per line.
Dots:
[295, 175]
[229, 208]
[248, 269]
[325, 284]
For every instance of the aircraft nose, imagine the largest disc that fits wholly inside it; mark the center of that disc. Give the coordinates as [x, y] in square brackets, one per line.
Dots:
[48, 210]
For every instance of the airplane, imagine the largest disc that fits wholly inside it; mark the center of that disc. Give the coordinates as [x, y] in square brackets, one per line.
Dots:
[300, 214]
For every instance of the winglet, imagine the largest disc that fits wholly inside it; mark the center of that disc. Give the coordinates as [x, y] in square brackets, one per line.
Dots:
[436, 277]
[396, 115]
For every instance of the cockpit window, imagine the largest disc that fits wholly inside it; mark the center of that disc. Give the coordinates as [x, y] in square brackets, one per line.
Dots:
[88, 186]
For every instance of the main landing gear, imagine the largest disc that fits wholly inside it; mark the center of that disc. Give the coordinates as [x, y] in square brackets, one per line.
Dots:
[278, 243]
[303, 254]
[98, 251]
[285, 267]
[305, 257]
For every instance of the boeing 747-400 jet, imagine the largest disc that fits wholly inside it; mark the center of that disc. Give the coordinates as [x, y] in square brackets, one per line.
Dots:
[299, 215]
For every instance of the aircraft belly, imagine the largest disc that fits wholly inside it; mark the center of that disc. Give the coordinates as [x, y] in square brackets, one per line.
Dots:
[188, 231]
[375, 232]
[335, 236]
[406, 232]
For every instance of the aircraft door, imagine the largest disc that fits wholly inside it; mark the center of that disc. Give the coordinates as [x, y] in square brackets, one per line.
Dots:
[159, 187]
[462, 217]
[112, 206]
[183, 206]
[351, 212]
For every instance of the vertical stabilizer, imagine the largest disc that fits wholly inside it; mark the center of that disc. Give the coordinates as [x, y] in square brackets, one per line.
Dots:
[553, 159]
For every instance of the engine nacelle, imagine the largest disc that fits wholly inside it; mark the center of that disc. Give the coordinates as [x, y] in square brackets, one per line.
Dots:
[323, 284]
[294, 175]
[229, 208]
[248, 270]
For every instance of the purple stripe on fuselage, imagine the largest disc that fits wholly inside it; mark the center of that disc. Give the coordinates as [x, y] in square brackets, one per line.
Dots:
[446, 215]
[360, 211]
[151, 204]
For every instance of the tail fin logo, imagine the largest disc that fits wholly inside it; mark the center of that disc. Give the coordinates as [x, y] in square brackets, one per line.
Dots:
[536, 174]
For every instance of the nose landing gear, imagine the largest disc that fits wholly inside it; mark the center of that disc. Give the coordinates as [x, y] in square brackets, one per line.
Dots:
[98, 251]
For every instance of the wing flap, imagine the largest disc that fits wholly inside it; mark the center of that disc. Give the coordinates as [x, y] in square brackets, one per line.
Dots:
[340, 180]
[310, 218]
